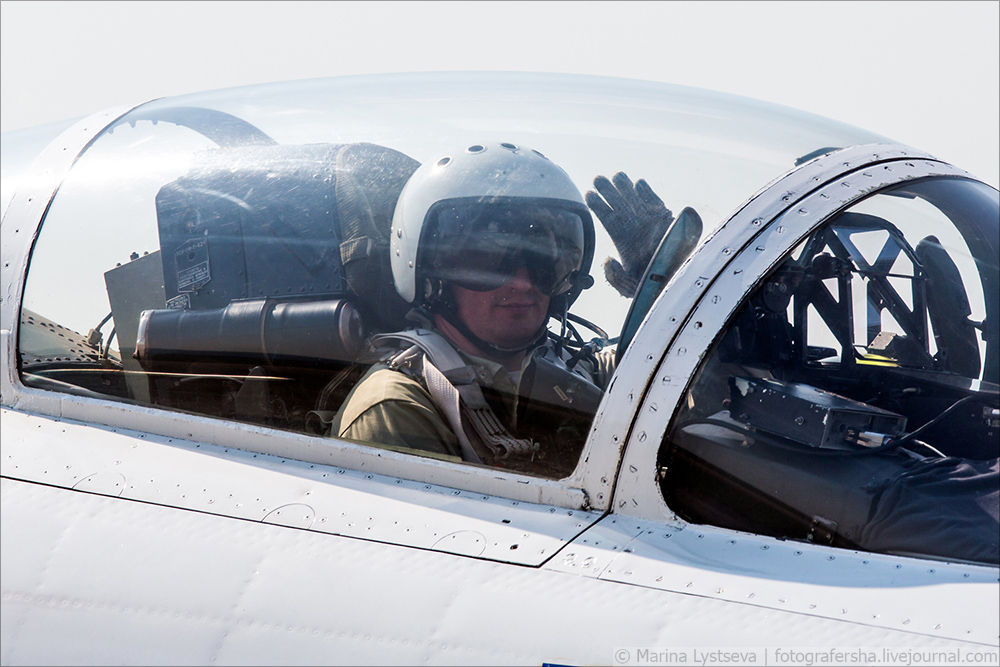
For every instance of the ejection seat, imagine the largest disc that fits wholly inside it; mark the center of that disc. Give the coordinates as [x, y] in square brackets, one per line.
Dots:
[274, 264]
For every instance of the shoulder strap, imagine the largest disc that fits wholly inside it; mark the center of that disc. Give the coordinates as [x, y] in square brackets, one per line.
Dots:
[431, 343]
[454, 387]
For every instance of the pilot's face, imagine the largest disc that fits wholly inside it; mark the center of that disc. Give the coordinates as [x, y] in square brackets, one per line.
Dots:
[509, 316]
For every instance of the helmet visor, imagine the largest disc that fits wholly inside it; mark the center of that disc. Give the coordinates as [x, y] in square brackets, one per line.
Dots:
[480, 246]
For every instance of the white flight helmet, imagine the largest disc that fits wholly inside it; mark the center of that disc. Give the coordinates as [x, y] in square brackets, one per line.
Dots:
[477, 198]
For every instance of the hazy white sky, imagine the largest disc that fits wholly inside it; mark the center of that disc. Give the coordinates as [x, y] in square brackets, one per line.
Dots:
[924, 73]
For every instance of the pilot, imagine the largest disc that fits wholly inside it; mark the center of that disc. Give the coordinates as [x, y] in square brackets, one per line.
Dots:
[489, 242]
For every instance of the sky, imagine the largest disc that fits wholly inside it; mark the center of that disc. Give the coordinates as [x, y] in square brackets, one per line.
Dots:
[926, 74]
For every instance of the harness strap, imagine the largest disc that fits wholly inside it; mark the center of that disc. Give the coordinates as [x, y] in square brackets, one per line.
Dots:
[496, 436]
[447, 399]
[454, 388]
[431, 343]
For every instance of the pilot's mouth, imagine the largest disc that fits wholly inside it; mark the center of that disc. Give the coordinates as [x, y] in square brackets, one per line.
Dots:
[505, 303]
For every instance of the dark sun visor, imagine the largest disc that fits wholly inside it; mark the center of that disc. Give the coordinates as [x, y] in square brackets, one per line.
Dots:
[480, 246]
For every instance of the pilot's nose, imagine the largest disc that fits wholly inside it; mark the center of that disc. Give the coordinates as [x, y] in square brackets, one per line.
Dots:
[521, 281]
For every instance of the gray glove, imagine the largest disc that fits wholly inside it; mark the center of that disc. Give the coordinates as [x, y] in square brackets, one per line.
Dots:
[636, 220]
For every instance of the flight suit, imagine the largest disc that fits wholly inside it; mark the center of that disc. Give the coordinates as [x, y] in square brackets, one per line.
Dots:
[391, 408]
